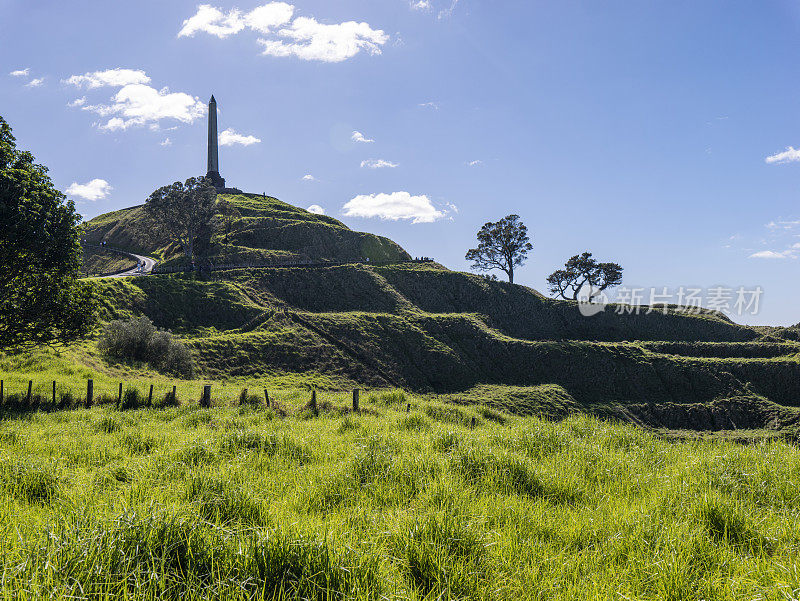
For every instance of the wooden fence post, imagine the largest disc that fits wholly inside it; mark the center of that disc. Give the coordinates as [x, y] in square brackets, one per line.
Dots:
[243, 395]
[314, 401]
[206, 396]
[150, 397]
[174, 394]
[54, 392]
[408, 408]
[1, 392]
[473, 422]
[355, 400]
[119, 395]
[30, 390]
[266, 396]
[89, 392]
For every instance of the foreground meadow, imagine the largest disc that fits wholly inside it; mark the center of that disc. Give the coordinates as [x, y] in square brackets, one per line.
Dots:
[410, 499]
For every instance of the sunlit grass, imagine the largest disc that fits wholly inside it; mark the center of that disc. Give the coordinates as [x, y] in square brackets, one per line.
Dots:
[243, 501]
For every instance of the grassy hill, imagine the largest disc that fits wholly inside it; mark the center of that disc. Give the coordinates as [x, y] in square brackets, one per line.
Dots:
[266, 228]
[423, 328]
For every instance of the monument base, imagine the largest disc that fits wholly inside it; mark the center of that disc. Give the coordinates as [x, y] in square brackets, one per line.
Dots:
[216, 179]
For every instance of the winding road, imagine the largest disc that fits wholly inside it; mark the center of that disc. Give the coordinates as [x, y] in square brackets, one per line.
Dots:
[149, 263]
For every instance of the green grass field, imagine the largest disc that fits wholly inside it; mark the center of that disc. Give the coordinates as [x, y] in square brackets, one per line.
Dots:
[249, 502]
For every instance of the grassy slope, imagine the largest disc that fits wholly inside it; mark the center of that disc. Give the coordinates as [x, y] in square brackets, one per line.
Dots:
[267, 228]
[356, 325]
[97, 261]
[235, 502]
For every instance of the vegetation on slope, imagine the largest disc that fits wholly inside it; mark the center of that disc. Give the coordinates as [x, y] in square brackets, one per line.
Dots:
[266, 228]
[102, 261]
[238, 502]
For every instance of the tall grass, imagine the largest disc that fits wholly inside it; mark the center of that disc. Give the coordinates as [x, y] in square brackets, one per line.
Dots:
[240, 502]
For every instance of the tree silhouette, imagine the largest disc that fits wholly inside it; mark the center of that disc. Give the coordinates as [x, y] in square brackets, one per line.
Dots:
[582, 270]
[501, 245]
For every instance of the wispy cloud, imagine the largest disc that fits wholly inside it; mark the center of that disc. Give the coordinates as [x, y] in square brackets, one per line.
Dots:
[790, 155]
[77, 102]
[316, 209]
[783, 224]
[96, 189]
[475, 163]
[773, 254]
[429, 105]
[309, 178]
[165, 142]
[448, 12]
[229, 137]
[115, 78]
[423, 5]
[393, 207]
[35, 83]
[359, 137]
[304, 37]
[21, 72]
[377, 164]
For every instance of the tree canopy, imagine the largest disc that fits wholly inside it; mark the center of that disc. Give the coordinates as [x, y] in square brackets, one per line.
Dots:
[41, 299]
[501, 245]
[183, 213]
[580, 271]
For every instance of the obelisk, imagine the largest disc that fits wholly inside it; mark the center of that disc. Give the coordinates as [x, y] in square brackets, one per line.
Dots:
[213, 151]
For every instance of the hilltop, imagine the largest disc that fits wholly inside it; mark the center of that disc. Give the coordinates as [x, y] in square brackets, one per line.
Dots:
[266, 228]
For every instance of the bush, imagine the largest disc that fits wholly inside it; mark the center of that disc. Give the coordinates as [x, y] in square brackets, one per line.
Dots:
[138, 340]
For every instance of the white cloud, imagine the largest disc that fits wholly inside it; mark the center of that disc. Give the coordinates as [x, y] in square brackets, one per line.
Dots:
[316, 209]
[475, 163]
[790, 155]
[421, 5]
[229, 137]
[115, 78]
[429, 105]
[314, 41]
[303, 37]
[93, 190]
[771, 254]
[213, 21]
[359, 137]
[377, 164]
[166, 142]
[77, 102]
[21, 72]
[35, 83]
[138, 104]
[782, 225]
[265, 18]
[394, 206]
[309, 178]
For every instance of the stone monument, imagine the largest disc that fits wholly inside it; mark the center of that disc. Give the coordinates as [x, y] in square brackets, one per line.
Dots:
[213, 151]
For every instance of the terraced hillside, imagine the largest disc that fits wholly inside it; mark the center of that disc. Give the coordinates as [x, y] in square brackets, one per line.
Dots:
[421, 327]
[424, 328]
[265, 228]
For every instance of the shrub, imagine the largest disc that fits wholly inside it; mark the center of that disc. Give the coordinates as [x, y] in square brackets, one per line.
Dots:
[138, 340]
[131, 399]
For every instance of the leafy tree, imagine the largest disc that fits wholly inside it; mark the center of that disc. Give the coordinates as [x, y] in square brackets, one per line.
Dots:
[501, 245]
[228, 213]
[41, 299]
[183, 212]
[582, 270]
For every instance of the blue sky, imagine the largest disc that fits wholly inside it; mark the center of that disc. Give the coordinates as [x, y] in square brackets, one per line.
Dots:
[659, 135]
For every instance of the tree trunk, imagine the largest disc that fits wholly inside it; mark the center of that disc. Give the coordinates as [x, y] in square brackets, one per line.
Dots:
[511, 275]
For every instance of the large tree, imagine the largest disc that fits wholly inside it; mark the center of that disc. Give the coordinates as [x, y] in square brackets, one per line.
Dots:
[501, 245]
[183, 213]
[41, 299]
[584, 271]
